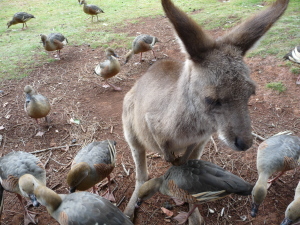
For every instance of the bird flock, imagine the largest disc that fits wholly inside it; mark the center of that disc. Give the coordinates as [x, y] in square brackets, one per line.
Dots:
[195, 182]
[106, 69]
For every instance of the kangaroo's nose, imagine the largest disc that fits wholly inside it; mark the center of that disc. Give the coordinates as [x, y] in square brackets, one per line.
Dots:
[241, 144]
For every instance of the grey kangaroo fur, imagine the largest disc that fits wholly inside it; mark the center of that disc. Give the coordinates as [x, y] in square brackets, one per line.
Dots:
[175, 107]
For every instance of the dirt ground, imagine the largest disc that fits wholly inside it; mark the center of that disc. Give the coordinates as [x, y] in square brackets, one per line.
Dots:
[76, 93]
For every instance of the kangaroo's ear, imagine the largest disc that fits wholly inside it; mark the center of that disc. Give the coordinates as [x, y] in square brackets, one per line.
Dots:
[246, 34]
[195, 41]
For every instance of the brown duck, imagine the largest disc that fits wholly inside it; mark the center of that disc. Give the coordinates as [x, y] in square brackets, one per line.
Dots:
[81, 208]
[20, 17]
[109, 68]
[195, 182]
[278, 153]
[91, 165]
[36, 105]
[54, 42]
[140, 44]
[13, 167]
[92, 10]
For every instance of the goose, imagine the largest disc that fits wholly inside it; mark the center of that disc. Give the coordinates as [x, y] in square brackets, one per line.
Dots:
[278, 153]
[109, 68]
[92, 10]
[140, 44]
[36, 105]
[13, 167]
[54, 42]
[20, 17]
[292, 212]
[92, 164]
[195, 182]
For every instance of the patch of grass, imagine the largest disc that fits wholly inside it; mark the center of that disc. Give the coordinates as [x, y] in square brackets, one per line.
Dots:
[68, 18]
[276, 86]
[295, 70]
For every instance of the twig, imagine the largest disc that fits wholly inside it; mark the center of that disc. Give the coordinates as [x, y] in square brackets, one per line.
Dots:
[259, 137]
[48, 159]
[21, 124]
[120, 202]
[126, 171]
[213, 141]
[63, 168]
[59, 162]
[53, 148]
[111, 129]
[4, 95]
[100, 185]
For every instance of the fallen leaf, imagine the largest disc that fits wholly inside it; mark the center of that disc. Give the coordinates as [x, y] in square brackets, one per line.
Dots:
[167, 212]
[40, 134]
[74, 121]
[5, 104]
[2, 127]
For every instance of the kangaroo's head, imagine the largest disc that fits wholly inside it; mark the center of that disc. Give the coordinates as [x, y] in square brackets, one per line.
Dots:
[219, 80]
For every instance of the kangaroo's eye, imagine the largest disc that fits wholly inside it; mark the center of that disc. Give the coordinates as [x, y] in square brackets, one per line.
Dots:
[212, 102]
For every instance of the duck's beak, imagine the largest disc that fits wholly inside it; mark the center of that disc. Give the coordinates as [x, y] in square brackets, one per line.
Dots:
[254, 209]
[138, 203]
[286, 221]
[34, 201]
[72, 189]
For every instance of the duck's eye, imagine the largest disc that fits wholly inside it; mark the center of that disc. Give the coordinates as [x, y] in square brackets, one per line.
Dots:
[212, 101]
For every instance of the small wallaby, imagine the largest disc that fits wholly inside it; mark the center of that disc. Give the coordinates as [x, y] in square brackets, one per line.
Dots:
[176, 106]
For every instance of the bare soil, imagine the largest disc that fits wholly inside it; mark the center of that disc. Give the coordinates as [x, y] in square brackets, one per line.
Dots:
[76, 93]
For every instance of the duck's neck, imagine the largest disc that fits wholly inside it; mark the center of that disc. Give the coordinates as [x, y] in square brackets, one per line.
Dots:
[128, 55]
[50, 199]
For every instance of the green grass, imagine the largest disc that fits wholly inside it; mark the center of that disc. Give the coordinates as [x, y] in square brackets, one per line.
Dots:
[295, 70]
[276, 86]
[22, 50]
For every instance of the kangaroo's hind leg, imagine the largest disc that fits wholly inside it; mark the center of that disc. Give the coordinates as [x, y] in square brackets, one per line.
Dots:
[139, 157]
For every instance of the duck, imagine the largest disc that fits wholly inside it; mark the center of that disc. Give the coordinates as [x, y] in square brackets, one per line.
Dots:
[81, 208]
[54, 42]
[20, 17]
[278, 153]
[195, 182]
[292, 212]
[92, 10]
[15, 165]
[36, 105]
[294, 56]
[140, 44]
[109, 68]
[92, 164]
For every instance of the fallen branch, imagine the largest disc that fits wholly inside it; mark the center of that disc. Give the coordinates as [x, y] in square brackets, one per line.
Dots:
[259, 137]
[53, 148]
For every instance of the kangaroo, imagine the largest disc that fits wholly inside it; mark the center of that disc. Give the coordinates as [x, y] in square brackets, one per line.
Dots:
[175, 107]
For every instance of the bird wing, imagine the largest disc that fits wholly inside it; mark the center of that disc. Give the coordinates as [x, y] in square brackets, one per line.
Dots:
[197, 176]
[97, 152]
[15, 164]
